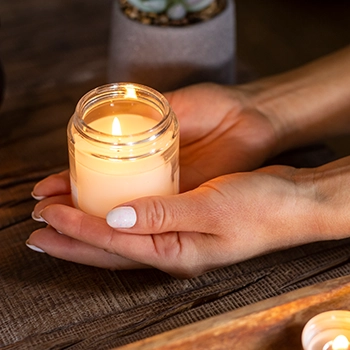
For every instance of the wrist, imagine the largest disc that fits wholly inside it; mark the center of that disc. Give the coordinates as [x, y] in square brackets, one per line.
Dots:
[324, 191]
[308, 104]
[271, 97]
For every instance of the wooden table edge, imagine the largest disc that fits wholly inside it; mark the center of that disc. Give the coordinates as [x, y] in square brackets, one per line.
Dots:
[215, 332]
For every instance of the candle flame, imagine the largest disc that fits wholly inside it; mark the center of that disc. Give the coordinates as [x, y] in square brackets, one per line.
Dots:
[130, 92]
[340, 343]
[116, 128]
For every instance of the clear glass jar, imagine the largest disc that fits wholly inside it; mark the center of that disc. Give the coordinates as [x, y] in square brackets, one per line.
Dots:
[123, 142]
[328, 330]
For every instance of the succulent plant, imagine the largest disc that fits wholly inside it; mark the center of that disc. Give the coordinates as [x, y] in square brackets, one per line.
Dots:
[174, 9]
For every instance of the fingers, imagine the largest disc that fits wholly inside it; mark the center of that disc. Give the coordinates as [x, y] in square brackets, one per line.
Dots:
[49, 241]
[52, 185]
[54, 190]
[154, 215]
[89, 236]
[63, 199]
[181, 254]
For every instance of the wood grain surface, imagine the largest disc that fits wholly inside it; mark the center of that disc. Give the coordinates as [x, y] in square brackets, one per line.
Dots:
[273, 324]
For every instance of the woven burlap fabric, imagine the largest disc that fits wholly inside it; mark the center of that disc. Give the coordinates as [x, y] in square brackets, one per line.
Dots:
[47, 303]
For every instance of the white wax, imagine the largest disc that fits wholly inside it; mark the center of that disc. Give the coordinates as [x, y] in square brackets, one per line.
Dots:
[102, 184]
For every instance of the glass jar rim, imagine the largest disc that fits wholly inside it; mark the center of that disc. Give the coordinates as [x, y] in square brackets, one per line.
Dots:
[119, 91]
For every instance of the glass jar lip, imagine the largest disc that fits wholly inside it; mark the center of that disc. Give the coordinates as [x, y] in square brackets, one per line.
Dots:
[120, 91]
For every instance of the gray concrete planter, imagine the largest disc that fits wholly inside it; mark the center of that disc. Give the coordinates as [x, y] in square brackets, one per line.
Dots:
[167, 58]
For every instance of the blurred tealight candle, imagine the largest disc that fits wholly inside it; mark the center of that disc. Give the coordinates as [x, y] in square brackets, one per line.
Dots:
[327, 331]
[123, 144]
[340, 342]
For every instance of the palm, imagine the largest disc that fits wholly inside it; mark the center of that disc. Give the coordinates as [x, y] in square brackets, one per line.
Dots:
[219, 135]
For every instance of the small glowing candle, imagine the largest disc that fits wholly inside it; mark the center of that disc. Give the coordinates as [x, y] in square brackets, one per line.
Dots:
[121, 149]
[340, 342]
[327, 331]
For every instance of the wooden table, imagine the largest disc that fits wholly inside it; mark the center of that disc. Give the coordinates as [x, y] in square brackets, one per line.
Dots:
[51, 59]
[273, 324]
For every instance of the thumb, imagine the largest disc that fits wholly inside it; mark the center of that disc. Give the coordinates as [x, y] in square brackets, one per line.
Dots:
[189, 211]
[180, 234]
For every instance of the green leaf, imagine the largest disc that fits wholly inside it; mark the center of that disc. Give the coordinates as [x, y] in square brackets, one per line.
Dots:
[155, 6]
[196, 5]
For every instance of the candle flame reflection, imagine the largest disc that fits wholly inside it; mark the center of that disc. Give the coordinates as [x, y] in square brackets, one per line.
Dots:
[340, 342]
[116, 128]
[130, 92]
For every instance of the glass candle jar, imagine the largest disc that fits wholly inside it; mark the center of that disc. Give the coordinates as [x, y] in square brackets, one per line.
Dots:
[123, 142]
[329, 330]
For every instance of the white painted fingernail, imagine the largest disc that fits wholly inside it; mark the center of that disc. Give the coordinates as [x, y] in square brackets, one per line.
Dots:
[34, 247]
[122, 217]
[38, 198]
[38, 218]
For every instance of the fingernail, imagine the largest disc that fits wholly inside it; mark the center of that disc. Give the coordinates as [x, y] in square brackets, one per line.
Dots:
[38, 198]
[34, 247]
[38, 218]
[122, 217]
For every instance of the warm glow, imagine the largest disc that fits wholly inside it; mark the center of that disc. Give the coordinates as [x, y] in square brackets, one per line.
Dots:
[130, 92]
[116, 129]
[340, 343]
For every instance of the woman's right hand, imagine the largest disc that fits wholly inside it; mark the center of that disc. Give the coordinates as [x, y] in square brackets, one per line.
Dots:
[221, 132]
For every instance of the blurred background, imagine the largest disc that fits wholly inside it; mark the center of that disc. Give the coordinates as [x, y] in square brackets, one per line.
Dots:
[274, 36]
[56, 45]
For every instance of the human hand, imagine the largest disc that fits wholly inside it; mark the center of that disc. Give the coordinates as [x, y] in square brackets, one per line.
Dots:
[220, 132]
[217, 137]
[224, 221]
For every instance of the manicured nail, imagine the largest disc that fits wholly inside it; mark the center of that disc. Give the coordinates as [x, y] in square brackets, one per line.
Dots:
[38, 218]
[122, 217]
[38, 198]
[34, 247]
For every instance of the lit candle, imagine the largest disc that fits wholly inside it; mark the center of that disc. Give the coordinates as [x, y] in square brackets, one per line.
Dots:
[123, 142]
[340, 342]
[327, 331]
